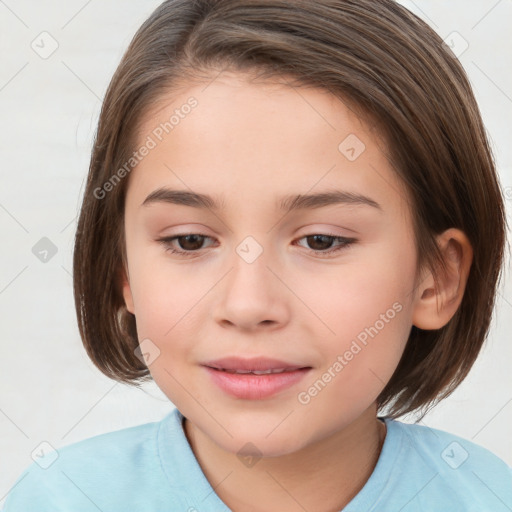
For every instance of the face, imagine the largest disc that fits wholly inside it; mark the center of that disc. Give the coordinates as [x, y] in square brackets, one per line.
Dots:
[325, 287]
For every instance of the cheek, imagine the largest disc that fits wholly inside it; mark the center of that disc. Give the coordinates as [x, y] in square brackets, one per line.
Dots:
[367, 308]
[162, 288]
[356, 295]
[369, 313]
[173, 310]
[165, 305]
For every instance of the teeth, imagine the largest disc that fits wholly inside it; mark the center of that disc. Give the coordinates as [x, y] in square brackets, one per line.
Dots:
[256, 372]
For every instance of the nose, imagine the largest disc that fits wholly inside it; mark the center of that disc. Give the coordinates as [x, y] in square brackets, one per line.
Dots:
[252, 296]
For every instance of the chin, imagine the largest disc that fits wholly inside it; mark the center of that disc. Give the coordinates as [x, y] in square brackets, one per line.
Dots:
[266, 437]
[258, 445]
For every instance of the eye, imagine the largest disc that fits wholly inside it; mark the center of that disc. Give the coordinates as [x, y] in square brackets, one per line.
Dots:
[322, 243]
[191, 243]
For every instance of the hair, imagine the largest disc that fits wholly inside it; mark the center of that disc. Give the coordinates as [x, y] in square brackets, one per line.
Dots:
[375, 55]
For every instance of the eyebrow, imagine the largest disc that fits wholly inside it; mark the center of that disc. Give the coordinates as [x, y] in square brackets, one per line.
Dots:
[286, 204]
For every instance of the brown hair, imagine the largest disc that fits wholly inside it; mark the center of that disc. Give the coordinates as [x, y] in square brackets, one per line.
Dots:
[378, 56]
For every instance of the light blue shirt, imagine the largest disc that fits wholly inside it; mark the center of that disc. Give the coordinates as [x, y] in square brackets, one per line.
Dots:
[151, 468]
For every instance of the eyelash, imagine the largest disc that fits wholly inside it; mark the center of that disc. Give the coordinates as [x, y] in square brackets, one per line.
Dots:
[346, 242]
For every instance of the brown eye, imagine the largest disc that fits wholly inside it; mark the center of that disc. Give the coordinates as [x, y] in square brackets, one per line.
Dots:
[188, 244]
[321, 244]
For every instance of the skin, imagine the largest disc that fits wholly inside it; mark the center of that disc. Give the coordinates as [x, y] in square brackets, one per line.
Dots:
[251, 143]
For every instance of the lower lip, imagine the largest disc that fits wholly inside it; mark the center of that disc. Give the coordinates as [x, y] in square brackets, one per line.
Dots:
[255, 387]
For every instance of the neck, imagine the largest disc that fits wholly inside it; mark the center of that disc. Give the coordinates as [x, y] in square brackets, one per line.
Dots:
[323, 476]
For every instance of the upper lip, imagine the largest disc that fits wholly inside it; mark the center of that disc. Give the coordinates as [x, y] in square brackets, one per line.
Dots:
[256, 363]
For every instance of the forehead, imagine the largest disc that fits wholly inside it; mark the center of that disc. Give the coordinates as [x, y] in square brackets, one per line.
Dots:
[244, 139]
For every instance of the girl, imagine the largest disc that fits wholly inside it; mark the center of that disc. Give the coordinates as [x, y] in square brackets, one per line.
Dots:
[293, 224]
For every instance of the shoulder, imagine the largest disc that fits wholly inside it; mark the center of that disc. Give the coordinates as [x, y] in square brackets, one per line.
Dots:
[99, 466]
[469, 473]
[454, 451]
[110, 449]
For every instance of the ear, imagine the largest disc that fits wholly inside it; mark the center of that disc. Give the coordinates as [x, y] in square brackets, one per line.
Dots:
[435, 306]
[127, 291]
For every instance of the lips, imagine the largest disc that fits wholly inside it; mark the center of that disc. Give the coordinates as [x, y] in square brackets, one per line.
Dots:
[254, 379]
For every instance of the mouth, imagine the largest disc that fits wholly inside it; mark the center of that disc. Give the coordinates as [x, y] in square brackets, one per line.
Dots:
[254, 379]
[257, 365]
[257, 372]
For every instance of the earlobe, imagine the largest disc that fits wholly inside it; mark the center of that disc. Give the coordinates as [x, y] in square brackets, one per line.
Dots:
[435, 304]
[127, 292]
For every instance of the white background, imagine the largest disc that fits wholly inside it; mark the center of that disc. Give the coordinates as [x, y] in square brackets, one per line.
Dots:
[49, 390]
